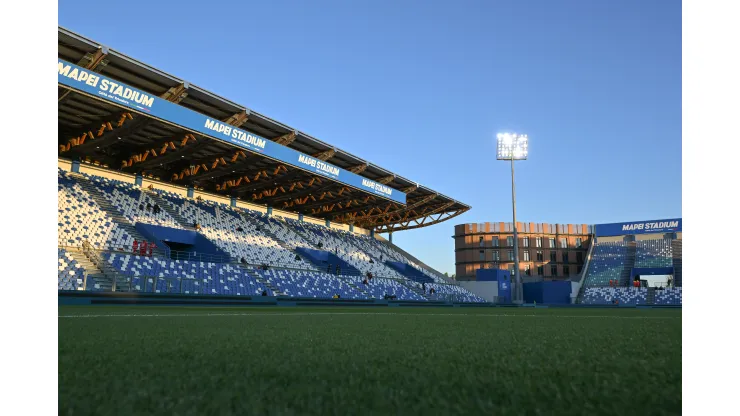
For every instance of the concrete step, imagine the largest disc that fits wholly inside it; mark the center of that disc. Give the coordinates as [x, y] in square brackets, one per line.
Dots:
[259, 278]
[165, 205]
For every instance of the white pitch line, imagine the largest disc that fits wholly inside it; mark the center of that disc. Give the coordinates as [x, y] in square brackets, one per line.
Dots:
[187, 315]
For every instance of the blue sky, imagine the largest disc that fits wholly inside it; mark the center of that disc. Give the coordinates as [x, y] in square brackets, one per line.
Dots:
[422, 87]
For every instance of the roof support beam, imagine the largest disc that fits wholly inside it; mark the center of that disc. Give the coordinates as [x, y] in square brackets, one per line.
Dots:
[285, 139]
[358, 168]
[238, 119]
[385, 180]
[110, 135]
[325, 155]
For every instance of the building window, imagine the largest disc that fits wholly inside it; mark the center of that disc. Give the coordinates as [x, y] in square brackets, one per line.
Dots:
[482, 255]
[538, 242]
[525, 255]
[511, 255]
[496, 256]
[540, 257]
[511, 269]
[565, 257]
[494, 242]
[579, 257]
[552, 242]
[563, 242]
[525, 242]
[553, 256]
[528, 270]
[553, 270]
[480, 241]
[509, 241]
[540, 270]
[579, 242]
[566, 271]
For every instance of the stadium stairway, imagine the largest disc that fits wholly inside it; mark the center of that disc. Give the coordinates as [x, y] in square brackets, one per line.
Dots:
[92, 271]
[650, 296]
[105, 278]
[419, 291]
[677, 262]
[358, 288]
[165, 205]
[256, 276]
[629, 264]
[266, 230]
[109, 209]
[303, 235]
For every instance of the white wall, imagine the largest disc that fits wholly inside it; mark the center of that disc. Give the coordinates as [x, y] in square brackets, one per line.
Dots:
[486, 290]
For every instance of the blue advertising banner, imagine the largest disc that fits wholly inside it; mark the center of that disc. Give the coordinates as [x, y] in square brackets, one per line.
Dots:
[639, 227]
[116, 92]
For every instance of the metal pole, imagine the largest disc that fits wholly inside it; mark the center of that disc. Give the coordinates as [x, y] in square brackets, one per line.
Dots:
[518, 279]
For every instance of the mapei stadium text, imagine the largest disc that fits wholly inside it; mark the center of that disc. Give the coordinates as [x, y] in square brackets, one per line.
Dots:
[650, 225]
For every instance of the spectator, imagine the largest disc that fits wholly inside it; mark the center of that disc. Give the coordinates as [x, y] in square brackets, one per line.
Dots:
[339, 269]
[328, 268]
[152, 246]
[239, 228]
[142, 248]
[243, 261]
[264, 293]
[148, 206]
[424, 287]
[136, 246]
[141, 207]
[297, 257]
[364, 282]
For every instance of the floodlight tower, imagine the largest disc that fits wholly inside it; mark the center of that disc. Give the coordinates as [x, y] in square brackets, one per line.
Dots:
[512, 146]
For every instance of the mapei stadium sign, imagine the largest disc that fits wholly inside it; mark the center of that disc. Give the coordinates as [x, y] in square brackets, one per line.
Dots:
[100, 86]
[639, 227]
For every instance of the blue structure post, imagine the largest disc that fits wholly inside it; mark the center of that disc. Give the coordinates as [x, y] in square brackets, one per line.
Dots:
[372, 232]
[191, 191]
[139, 180]
[351, 228]
[233, 201]
[300, 217]
[76, 166]
[269, 211]
[390, 237]
[328, 224]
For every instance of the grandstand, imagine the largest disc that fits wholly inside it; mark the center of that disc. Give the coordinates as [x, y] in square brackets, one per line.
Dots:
[625, 252]
[234, 204]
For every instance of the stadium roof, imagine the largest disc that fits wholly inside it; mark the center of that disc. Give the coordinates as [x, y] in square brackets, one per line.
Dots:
[125, 139]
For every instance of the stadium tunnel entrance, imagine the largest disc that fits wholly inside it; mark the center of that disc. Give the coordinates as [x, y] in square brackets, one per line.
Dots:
[183, 244]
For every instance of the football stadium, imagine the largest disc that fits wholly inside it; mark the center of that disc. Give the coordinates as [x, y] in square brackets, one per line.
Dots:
[213, 260]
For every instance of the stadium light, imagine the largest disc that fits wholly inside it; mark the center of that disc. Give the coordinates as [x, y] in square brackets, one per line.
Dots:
[512, 146]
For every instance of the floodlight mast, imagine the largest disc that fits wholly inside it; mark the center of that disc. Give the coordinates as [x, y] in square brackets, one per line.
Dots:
[518, 278]
[517, 147]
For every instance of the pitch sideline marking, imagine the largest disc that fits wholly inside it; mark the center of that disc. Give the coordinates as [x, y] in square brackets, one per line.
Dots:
[186, 315]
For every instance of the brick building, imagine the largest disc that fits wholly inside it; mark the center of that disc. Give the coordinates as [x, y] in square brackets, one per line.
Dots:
[550, 251]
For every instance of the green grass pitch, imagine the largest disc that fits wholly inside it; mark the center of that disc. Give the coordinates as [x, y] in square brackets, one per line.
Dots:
[368, 361]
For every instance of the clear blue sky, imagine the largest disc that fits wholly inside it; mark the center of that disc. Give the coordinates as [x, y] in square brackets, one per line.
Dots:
[421, 88]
